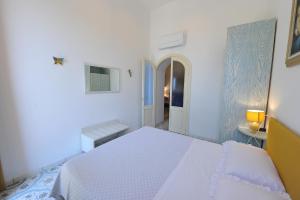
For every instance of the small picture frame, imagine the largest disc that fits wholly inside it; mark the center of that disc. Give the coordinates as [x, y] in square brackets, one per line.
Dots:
[293, 49]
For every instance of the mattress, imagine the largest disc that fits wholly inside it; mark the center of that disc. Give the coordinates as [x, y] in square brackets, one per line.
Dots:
[143, 165]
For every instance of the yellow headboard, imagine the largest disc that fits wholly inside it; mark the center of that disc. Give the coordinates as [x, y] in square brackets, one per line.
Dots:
[283, 145]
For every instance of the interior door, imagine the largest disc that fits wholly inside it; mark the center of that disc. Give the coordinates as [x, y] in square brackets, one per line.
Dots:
[178, 102]
[148, 102]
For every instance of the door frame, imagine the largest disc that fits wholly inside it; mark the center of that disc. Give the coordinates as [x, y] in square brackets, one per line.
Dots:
[143, 91]
[187, 86]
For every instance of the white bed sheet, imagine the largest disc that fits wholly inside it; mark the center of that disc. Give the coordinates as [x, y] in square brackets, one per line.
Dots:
[144, 165]
[192, 177]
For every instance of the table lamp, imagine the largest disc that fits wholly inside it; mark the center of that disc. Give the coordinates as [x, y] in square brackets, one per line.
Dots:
[255, 118]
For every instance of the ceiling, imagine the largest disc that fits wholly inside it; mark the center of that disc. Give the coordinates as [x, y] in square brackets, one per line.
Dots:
[152, 4]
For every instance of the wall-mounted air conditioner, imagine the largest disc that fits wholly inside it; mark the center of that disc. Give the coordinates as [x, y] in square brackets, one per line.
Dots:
[172, 40]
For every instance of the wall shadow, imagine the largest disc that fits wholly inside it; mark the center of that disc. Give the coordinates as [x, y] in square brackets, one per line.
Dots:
[12, 153]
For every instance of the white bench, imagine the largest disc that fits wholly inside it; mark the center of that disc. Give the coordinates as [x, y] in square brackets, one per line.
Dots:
[95, 135]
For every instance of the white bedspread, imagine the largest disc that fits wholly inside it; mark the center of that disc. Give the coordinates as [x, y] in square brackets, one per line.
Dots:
[191, 178]
[144, 165]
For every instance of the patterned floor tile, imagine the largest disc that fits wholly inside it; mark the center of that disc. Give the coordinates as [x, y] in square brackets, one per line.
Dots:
[34, 188]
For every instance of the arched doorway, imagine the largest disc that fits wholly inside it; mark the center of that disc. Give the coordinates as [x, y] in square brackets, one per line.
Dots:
[170, 94]
[163, 94]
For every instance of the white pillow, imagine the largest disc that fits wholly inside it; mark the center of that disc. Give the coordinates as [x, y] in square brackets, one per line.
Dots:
[230, 188]
[251, 164]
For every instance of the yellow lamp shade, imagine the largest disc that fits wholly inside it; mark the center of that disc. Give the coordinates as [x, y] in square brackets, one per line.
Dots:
[255, 116]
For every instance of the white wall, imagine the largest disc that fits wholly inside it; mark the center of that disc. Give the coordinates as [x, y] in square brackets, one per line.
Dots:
[205, 22]
[285, 88]
[43, 106]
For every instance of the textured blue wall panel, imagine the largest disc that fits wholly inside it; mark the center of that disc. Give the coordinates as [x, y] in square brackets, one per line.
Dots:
[248, 66]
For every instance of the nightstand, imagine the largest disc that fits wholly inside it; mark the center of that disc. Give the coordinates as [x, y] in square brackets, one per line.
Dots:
[253, 136]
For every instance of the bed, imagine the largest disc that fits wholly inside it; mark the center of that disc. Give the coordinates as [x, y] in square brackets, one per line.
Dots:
[154, 164]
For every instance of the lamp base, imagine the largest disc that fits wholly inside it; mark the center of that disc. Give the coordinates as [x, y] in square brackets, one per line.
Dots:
[254, 126]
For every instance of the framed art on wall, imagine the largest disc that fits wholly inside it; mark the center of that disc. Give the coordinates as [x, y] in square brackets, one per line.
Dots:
[293, 51]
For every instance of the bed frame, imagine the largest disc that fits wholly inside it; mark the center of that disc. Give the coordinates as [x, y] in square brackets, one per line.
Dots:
[283, 145]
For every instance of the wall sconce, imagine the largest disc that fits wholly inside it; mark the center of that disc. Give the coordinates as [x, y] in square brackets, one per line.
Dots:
[58, 61]
[130, 73]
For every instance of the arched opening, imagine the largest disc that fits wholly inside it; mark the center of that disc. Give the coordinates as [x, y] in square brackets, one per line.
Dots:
[163, 84]
[172, 93]
[166, 94]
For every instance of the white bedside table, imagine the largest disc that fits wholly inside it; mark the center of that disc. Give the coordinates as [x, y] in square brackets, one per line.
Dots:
[253, 136]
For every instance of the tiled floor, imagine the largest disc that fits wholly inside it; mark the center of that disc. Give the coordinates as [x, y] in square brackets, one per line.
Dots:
[164, 125]
[35, 188]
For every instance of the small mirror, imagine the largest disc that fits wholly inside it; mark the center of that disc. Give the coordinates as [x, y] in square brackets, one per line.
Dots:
[101, 79]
